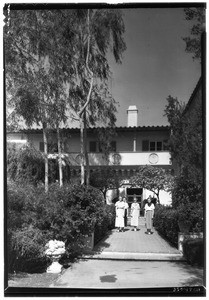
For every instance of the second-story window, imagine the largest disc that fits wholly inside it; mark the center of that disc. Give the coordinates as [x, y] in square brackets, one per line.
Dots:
[154, 145]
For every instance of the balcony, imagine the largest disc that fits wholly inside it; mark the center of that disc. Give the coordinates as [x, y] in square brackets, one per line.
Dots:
[162, 158]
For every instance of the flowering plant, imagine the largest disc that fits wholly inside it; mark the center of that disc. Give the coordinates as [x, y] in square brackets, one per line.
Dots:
[54, 247]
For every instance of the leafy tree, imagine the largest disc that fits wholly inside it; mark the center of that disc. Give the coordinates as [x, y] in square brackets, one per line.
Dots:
[35, 58]
[51, 52]
[193, 43]
[105, 179]
[99, 31]
[153, 179]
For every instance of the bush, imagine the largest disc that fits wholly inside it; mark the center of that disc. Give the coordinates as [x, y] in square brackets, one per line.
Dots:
[165, 220]
[26, 164]
[192, 213]
[194, 251]
[187, 198]
[107, 223]
[26, 250]
[67, 214]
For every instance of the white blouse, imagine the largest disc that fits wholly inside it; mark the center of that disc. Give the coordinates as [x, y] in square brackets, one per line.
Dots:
[147, 207]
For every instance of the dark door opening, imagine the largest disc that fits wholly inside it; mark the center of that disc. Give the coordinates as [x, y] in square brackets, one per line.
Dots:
[134, 192]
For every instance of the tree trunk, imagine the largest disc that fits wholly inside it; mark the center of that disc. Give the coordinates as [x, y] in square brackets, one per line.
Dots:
[59, 156]
[85, 150]
[46, 161]
[82, 149]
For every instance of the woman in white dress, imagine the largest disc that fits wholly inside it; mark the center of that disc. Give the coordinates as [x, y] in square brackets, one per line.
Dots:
[135, 212]
[149, 213]
[120, 211]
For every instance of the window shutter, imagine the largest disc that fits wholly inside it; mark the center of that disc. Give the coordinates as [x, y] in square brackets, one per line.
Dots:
[145, 145]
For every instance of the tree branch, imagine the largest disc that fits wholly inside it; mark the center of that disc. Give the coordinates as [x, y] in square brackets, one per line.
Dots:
[89, 71]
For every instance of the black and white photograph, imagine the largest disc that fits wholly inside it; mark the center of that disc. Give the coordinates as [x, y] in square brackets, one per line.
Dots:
[104, 149]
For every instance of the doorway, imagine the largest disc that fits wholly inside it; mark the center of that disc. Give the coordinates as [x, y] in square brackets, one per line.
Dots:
[130, 194]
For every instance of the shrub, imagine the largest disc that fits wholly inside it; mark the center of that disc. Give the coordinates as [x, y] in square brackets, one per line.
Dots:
[67, 214]
[165, 220]
[187, 198]
[25, 164]
[194, 251]
[192, 213]
[107, 223]
[26, 250]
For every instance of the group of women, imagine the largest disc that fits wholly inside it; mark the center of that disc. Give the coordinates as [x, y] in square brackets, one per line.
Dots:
[121, 207]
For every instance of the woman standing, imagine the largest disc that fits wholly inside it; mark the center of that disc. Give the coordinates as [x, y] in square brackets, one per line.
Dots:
[135, 209]
[149, 213]
[119, 210]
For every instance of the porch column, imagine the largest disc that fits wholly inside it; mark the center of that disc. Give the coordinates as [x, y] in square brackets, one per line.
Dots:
[134, 145]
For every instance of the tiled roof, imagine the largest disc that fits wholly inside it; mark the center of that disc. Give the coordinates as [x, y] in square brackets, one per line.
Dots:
[120, 128]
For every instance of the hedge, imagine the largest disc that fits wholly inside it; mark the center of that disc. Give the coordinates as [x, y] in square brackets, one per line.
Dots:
[107, 223]
[166, 223]
[194, 251]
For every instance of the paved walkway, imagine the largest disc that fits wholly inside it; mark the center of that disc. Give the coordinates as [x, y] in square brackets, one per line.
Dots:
[131, 260]
[135, 245]
[116, 274]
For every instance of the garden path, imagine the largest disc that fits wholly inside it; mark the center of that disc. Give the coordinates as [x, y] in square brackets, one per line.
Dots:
[135, 245]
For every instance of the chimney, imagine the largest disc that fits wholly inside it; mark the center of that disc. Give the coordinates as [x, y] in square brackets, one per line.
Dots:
[132, 112]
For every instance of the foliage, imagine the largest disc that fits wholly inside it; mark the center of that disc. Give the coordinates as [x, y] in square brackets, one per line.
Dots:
[24, 164]
[99, 33]
[153, 179]
[104, 179]
[166, 223]
[35, 217]
[26, 250]
[197, 17]
[107, 223]
[185, 142]
[191, 213]
[186, 147]
[194, 251]
[38, 59]
[58, 59]
[34, 64]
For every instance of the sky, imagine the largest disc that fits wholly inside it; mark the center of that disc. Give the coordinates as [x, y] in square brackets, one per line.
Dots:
[155, 64]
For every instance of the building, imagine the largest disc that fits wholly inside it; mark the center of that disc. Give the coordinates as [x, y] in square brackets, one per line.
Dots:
[133, 146]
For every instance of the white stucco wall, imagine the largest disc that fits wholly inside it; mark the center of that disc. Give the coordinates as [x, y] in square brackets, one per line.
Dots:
[165, 197]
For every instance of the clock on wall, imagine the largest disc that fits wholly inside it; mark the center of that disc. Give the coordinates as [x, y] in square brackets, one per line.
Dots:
[153, 158]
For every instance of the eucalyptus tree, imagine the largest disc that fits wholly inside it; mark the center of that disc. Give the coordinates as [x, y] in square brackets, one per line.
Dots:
[99, 32]
[35, 63]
